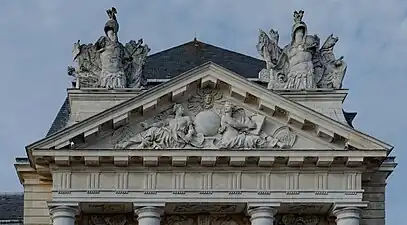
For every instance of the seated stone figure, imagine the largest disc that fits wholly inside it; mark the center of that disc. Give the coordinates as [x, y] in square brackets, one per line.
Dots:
[177, 132]
[236, 131]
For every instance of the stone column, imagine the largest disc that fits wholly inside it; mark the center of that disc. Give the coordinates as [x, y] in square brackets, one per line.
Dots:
[149, 215]
[263, 215]
[63, 215]
[347, 216]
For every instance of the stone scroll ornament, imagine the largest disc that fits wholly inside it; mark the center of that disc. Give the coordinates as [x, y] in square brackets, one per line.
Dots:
[108, 63]
[301, 64]
[207, 121]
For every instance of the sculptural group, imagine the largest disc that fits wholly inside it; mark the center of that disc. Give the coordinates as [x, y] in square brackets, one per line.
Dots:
[210, 122]
[108, 63]
[301, 64]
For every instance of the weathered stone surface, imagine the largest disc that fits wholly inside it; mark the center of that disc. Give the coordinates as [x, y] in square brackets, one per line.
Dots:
[373, 214]
[372, 221]
[376, 205]
[301, 64]
[108, 63]
[377, 197]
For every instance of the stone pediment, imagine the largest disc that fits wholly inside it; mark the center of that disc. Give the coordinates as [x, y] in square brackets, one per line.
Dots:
[260, 118]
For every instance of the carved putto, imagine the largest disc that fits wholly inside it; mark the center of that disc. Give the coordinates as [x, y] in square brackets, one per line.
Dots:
[207, 120]
[301, 64]
[108, 63]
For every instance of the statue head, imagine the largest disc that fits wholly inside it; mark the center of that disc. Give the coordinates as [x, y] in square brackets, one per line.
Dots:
[111, 25]
[178, 110]
[299, 34]
[299, 30]
[228, 107]
[208, 98]
[281, 78]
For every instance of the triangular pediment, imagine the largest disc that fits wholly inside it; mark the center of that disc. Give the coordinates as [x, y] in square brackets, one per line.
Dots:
[280, 121]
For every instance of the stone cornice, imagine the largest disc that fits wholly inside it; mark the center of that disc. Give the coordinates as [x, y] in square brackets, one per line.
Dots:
[183, 157]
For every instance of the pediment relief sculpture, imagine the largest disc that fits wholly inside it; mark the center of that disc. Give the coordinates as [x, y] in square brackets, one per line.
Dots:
[206, 120]
[108, 63]
[301, 64]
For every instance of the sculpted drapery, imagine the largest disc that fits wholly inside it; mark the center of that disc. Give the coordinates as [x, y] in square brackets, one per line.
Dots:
[301, 64]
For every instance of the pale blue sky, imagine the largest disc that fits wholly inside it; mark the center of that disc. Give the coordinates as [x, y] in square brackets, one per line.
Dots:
[38, 35]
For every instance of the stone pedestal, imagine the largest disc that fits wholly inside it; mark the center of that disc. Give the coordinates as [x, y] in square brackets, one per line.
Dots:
[262, 215]
[63, 215]
[347, 216]
[149, 215]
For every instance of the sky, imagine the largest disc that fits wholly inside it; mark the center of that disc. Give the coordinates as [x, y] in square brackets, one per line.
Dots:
[38, 35]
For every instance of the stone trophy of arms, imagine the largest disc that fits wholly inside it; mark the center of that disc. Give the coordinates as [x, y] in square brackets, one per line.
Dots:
[301, 64]
[108, 63]
[171, 132]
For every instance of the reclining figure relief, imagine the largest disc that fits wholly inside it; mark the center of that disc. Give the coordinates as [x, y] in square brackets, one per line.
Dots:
[210, 122]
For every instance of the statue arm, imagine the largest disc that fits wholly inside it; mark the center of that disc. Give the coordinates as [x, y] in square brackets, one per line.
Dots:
[100, 44]
[235, 124]
[155, 124]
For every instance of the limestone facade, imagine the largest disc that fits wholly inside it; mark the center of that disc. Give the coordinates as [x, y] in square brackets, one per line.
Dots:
[209, 146]
[328, 172]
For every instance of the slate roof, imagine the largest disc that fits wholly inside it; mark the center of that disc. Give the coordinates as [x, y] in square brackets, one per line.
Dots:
[11, 206]
[174, 61]
[177, 60]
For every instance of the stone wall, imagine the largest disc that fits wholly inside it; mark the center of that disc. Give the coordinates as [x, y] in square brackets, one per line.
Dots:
[375, 190]
[36, 211]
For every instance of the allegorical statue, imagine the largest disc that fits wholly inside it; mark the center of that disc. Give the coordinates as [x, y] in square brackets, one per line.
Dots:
[108, 63]
[241, 132]
[301, 64]
[176, 132]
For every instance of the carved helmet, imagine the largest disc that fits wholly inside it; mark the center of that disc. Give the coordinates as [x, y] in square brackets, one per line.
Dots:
[298, 24]
[112, 23]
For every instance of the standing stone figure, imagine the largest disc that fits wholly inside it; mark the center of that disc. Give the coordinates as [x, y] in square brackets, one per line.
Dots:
[108, 63]
[113, 55]
[301, 69]
[301, 64]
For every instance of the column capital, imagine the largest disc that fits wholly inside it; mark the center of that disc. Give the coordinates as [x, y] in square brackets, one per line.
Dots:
[63, 211]
[148, 212]
[347, 213]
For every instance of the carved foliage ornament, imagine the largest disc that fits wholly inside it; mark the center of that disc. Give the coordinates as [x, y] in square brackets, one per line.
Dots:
[108, 63]
[205, 121]
[302, 63]
[300, 220]
[108, 220]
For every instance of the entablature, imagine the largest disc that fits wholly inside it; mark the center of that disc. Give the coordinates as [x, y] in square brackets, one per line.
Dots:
[210, 157]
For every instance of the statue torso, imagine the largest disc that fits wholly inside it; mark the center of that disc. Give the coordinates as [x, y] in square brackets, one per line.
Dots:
[299, 58]
[112, 57]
